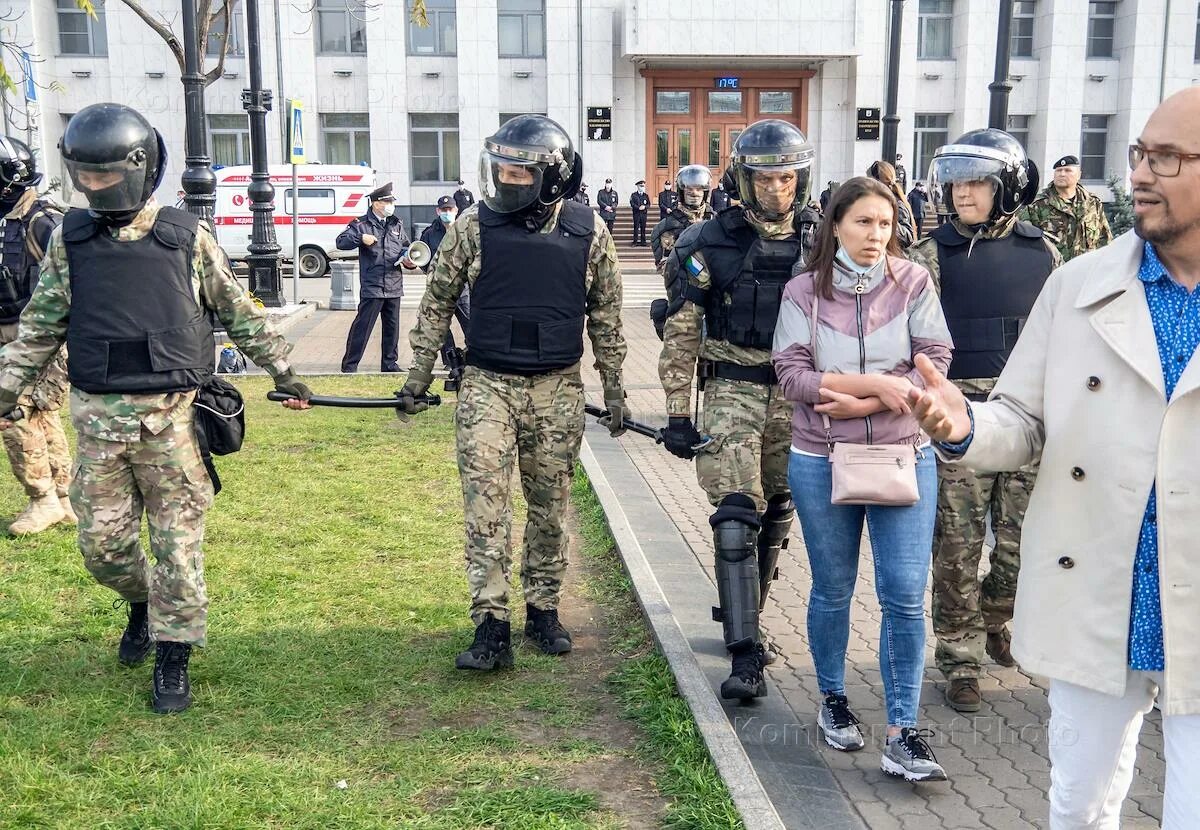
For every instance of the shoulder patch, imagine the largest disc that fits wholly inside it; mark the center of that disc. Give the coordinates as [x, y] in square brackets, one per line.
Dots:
[693, 267]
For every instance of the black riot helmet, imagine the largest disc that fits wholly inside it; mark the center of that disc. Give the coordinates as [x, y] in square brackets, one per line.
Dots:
[528, 165]
[18, 170]
[115, 159]
[771, 146]
[984, 155]
[692, 177]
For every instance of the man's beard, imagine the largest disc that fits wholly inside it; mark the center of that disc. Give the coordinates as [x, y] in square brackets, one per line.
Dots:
[1166, 231]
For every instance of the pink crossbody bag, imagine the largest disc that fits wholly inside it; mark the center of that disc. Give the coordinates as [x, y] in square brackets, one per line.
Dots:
[872, 474]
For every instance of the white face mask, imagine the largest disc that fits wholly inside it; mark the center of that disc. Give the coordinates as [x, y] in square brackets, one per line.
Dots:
[388, 209]
[641, 189]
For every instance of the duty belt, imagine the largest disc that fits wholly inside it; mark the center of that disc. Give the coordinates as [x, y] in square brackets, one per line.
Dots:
[764, 375]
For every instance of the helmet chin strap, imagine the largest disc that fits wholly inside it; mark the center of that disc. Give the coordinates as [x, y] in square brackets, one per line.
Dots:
[535, 216]
[115, 218]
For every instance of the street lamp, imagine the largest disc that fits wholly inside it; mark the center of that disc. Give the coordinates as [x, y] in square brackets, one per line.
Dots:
[198, 180]
[263, 251]
[891, 120]
[1000, 87]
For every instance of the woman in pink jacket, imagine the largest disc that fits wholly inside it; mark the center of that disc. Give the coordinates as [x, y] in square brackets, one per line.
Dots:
[876, 312]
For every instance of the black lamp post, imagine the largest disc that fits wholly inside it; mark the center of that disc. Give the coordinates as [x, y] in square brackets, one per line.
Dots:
[199, 182]
[891, 120]
[263, 251]
[1000, 87]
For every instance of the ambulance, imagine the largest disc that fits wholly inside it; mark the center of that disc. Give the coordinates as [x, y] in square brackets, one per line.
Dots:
[330, 196]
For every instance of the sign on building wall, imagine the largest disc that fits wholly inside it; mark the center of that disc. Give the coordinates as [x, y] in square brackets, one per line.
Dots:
[599, 123]
[868, 123]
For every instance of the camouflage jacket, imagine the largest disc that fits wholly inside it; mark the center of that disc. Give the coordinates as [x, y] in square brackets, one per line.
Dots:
[1076, 226]
[117, 417]
[662, 238]
[925, 253]
[683, 334]
[458, 266]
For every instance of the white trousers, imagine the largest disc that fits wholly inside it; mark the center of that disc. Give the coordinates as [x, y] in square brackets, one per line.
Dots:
[1093, 744]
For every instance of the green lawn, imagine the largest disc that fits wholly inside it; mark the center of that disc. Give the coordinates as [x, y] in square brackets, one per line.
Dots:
[327, 697]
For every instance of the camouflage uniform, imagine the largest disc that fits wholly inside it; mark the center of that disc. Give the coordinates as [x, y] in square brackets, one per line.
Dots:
[1077, 225]
[662, 238]
[538, 420]
[750, 422]
[138, 452]
[965, 608]
[37, 446]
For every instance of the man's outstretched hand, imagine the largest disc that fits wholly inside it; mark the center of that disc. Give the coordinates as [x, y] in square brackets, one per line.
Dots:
[940, 408]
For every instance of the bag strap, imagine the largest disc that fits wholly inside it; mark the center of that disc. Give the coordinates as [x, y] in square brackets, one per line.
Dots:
[812, 347]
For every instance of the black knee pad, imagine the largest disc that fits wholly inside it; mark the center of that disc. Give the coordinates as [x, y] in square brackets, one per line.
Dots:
[779, 506]
[736, 507]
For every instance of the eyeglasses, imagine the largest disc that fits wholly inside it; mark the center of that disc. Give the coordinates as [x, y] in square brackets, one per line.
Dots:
[1162, 162]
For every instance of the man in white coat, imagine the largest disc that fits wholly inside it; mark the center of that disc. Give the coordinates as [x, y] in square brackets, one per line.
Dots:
[1104, 386]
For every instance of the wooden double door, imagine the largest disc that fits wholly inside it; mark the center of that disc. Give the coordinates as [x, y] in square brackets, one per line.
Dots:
[695, 117]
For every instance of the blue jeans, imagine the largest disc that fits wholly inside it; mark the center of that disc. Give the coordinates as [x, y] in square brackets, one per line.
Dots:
[901, 541]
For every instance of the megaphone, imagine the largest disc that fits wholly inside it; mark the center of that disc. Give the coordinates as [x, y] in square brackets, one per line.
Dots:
[419, 254]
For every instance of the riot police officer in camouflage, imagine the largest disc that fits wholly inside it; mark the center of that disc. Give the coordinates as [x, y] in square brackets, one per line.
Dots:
[539, 266]
[37, 446]
[128, 285]
[692, 186]
[725, 280]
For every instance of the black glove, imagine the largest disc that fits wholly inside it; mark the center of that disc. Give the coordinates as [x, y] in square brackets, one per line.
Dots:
[411, 399]
[289, 383]
[680, 436]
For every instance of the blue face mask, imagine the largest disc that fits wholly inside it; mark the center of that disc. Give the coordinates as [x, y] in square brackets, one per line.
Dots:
[848, 262]
[447, 218]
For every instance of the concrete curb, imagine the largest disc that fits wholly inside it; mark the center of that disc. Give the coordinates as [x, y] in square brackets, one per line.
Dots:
[728, 754]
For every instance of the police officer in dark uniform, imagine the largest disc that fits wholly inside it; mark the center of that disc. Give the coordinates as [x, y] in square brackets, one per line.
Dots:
[463, 198]
[382, 244]
[582, 195]
[667, 200]
[607, 199]
[692, 185]
[720, 197]
[453, 358]
[990, 268]
[725, 280]
[639, 201]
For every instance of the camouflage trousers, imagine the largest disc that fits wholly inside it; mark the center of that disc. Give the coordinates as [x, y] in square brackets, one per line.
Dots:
[537, 423]
[36, 445]
[163, 476]
[966, 609]
[751, 425]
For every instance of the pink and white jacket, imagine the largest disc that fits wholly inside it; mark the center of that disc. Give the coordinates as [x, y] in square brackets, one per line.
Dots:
[876, 323]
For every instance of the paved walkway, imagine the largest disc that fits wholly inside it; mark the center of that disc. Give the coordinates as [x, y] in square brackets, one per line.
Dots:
[996, 759]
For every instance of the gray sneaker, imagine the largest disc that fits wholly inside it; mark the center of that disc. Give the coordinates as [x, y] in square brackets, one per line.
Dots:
[838, 724]
[907, 755]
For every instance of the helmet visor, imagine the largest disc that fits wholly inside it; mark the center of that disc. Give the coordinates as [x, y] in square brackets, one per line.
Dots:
[111, 187]
[508, 185]
[946, 171]
[772, 191]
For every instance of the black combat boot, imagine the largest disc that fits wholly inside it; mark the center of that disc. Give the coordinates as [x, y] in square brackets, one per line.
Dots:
[492, 648]
[544, 629]
[172, 690]
[746, 679]
[135, 640]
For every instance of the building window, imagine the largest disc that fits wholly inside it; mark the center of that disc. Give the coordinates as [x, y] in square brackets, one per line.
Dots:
[1102, 22]
[440, 37]
[930, 132]
[230, 139]
[1093, 144]
[433, 138]
[1196, 48]
[775, 103]
[724, 103]
[1024, 12]
[1018, 128]
[314, 201]
[342, 27]
[662, 147]
[672, 103]
[714, 148]
[217, 32]
[935, 22]
[522, 28]
[78, 33]
[346, 137]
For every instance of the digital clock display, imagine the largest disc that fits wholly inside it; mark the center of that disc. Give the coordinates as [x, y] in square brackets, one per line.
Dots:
[726, 83]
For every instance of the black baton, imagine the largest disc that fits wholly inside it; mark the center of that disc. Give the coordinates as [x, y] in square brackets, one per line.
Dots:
[354, 403]
[629, 424]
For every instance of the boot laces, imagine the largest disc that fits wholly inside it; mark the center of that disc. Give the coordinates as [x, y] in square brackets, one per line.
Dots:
[914, 744]
[547, 623]
[748, 664]
[840, 716]
[173, 666]
[488, 636]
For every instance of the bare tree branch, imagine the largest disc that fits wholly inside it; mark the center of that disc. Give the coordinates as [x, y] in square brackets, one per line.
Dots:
[161, 28]
[226, 12]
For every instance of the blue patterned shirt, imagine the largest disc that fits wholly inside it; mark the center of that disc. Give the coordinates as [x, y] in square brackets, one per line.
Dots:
[1176, 316]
